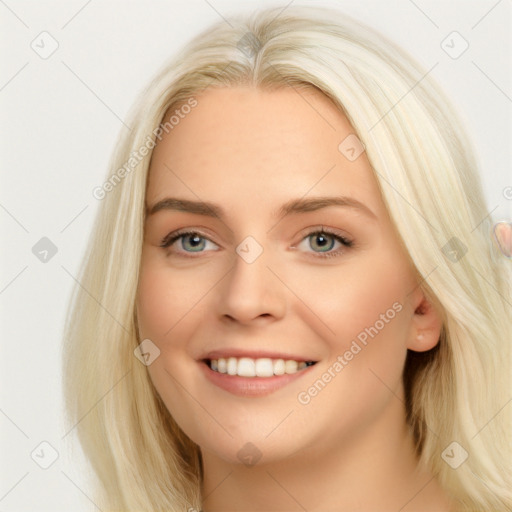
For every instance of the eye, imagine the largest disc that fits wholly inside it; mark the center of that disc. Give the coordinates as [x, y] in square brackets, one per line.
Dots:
[188, 242]
[323, 241]
[320, 243]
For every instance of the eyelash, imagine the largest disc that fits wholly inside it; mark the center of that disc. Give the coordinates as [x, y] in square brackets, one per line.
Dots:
[169, 240]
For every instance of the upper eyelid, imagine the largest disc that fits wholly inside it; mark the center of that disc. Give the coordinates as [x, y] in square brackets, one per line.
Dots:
[324, 229]
[176, 235]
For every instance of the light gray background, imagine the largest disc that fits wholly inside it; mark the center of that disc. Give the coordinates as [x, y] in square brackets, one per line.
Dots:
[59, 119]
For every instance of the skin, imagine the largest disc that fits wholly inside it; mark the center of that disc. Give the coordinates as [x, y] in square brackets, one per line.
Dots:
[249, 151]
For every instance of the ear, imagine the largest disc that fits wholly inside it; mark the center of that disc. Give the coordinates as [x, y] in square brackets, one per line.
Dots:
[426, 324]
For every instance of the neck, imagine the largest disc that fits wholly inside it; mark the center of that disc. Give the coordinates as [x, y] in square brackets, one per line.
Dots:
[376, 469]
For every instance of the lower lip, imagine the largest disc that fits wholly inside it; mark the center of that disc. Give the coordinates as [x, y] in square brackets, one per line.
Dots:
[250, 386]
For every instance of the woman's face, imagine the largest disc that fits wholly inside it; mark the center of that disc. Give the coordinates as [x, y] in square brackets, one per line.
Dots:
[256, 282]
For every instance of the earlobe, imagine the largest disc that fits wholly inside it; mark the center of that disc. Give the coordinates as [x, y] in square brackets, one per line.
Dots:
[426, 327]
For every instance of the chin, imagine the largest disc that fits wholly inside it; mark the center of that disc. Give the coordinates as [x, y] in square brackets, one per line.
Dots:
[251, 452]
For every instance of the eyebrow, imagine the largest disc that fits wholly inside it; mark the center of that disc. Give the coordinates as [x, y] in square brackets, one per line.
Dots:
[302, 205]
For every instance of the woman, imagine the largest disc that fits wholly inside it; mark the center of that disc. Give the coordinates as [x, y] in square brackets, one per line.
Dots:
[291, 300]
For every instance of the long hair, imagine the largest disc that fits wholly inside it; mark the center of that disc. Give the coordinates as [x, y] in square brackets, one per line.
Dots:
[456, 394]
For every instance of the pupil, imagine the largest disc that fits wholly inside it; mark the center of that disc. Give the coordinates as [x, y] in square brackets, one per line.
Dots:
[322, 242]
[193, 242]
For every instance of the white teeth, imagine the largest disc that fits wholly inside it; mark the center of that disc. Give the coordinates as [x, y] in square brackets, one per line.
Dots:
[279, 367]
[222, 365]
[246, 367]
[291, 366]
[232, 366]
[263, 367]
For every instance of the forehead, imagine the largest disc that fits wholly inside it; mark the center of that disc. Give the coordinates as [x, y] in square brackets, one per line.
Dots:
[241, 145]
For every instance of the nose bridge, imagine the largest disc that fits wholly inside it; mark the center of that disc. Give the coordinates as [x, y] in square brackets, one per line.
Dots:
[251, 290]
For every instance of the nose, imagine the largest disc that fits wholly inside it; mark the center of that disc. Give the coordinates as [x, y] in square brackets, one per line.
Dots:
[251, 292]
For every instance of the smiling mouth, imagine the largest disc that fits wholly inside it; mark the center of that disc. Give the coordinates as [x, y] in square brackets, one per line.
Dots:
[261, 367]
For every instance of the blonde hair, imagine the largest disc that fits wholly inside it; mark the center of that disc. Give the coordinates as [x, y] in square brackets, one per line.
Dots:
[427, 174]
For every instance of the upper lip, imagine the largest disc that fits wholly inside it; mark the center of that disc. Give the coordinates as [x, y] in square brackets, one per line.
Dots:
[225, 353]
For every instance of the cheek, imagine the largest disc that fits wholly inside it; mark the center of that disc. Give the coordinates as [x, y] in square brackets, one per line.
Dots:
[155, 303]
[367, 309]
[164, 299]
[167, 307]
[363, 294]
[366, 306]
